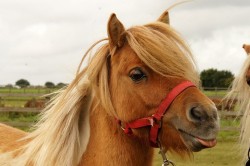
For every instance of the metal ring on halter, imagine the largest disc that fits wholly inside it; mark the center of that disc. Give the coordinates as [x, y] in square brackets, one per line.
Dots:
[166, 162]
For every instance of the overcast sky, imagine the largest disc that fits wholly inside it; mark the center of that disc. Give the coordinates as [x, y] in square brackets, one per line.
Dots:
[44, 40]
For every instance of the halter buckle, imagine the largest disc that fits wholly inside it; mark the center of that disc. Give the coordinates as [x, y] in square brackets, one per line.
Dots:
[125, 129]
[151, 121]
[155, 120]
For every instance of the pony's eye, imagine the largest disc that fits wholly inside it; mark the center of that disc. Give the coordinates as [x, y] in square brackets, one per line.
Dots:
[137, 75]
[248, 81]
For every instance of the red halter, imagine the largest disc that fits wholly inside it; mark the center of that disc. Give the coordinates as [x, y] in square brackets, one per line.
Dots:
[155, 120]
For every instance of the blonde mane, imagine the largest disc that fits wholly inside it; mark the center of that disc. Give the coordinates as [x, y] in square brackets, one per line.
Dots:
[240, 91]
[61, 136]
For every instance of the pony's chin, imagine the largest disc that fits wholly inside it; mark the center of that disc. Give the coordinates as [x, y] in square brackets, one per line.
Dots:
[195, 143]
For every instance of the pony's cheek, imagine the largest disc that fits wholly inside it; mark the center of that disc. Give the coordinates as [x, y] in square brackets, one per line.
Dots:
[170, 136]
[171, 140]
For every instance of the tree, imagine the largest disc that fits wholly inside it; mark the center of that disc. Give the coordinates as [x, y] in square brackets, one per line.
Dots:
[22, 83]
[61, 85]
[49, 84]
[214, 78]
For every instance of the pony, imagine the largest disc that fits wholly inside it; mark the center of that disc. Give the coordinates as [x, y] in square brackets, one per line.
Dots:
[138, 91]
[240, 91]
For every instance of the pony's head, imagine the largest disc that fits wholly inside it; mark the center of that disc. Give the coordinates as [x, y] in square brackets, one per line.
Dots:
[137, 70]
[246, 48]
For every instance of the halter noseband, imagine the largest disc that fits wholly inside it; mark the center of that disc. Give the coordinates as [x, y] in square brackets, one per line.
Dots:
[155, 120]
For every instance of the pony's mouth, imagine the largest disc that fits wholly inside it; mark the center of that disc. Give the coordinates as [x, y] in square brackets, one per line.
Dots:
[195, 143]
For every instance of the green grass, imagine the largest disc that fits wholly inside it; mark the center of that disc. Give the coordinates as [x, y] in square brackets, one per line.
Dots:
[231, 136]
[217, 94]
[224, 153]
[18, 117]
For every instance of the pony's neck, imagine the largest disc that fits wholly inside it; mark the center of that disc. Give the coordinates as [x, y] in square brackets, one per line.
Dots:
[109, 145]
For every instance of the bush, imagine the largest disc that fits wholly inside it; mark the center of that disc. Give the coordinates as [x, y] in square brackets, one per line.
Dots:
[49, 85]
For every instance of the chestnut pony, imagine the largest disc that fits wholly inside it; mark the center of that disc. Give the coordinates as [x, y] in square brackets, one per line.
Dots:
[138, 91]
[241, 92]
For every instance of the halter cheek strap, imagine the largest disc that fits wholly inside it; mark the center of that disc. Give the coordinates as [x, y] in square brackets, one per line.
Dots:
[154, 121]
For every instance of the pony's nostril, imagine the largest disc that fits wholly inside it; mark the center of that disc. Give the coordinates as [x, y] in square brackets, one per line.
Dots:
[196, 114]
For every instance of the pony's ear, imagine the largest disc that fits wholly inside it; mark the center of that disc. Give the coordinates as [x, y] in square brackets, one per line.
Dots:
[115, 32]
[164, 18]
[246, 48]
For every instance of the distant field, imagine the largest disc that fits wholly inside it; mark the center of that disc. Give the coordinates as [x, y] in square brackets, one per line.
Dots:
[215, 92]
[18, 101]
[26, 90]
[14, 101]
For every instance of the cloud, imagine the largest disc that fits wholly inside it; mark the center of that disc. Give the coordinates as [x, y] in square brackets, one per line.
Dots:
[45, 40]
[222, 50]
[200, 22]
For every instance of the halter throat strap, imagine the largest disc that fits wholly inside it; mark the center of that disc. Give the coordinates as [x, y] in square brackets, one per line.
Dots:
[155, 121]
